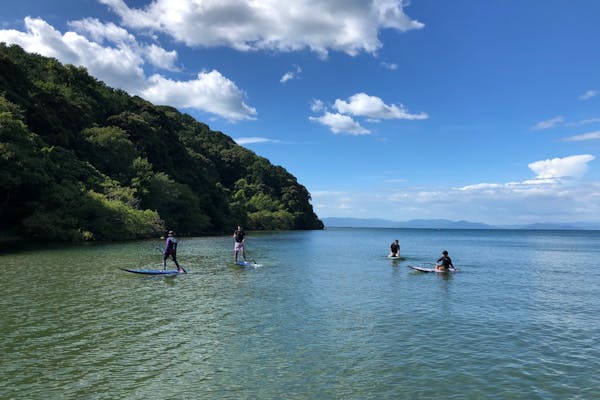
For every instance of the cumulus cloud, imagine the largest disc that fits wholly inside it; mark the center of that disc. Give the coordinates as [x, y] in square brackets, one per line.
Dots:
[361, 104]
[372, 108]
[573, 166]
[339, 123]
[102, 32]
[161, 58]
[317, 105]
[210, 92]
[318, 25]
[119, 65]
[549, 123]
[588, 95]
[114, 56]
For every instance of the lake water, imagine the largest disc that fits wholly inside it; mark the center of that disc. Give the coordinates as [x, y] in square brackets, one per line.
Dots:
[326, 316]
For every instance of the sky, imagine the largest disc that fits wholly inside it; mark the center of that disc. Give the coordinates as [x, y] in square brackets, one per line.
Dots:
[485, 111]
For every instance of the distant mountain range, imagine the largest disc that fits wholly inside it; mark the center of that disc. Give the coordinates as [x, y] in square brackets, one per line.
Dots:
[336, 222]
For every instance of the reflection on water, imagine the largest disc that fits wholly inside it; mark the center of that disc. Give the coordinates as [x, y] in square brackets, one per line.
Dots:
[328, 315]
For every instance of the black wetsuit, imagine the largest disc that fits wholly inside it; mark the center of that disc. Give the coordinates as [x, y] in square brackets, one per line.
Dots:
[445, 262]
[170, 250]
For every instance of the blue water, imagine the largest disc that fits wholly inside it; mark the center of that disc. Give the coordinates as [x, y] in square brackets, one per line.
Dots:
[325, 316]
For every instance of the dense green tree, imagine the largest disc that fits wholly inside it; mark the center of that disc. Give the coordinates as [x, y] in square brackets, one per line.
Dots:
[23, 165]
[109, 150]
[82, 161]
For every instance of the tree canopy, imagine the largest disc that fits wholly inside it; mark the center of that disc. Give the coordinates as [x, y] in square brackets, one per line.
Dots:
[82, 161]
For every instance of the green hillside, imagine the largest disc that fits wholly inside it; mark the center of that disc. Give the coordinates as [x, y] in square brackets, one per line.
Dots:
[82, 161]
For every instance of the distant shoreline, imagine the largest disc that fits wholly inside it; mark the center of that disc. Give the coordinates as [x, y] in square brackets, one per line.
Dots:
[336, 222]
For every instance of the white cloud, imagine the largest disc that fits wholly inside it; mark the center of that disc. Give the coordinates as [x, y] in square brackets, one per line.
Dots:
[210, 92]
[584, 136]
[339, 123]
[161, 58]
[549, 123]
[481, 186]
[252, 140]
[510, 203]
[112, 55]
[317, 105]
[584, 122]
[562, 197]
[102, 32]
[318, 25]
[573, 166]
[119, 66]
[390, 66]
[588, 95]
[361, 104]
[291, 75]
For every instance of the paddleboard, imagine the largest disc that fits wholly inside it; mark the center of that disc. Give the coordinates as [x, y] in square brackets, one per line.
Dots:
[247, 264]
[424, 269]
[395, 257]
[153, 271]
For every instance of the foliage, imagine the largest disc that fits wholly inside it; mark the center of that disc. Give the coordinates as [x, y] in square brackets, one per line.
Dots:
[82, 161]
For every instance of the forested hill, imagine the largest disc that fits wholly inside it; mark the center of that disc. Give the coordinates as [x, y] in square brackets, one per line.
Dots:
[82, 161]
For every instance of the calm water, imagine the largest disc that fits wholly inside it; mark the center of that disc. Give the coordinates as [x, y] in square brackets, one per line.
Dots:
[326, 316]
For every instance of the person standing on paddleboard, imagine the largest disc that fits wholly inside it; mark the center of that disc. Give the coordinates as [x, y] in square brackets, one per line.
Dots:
[170, 250]
[444, 262]
[395, 249]
[240, 243]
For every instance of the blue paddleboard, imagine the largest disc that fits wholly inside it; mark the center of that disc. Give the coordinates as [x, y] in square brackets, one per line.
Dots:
[247, 264]
[153, 271]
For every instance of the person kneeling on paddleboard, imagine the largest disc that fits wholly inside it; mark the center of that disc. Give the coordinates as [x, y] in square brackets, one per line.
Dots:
[444, 262]
[170, 250]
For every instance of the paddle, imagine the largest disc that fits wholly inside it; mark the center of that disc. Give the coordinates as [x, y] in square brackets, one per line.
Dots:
[252, 260]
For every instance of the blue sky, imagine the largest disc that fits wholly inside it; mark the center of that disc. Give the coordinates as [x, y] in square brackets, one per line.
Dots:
[485, 111]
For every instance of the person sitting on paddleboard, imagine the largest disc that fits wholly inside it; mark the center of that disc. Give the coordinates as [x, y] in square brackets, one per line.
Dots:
[444, 262]
[395, 249]
[240, 243]
[170, 250]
